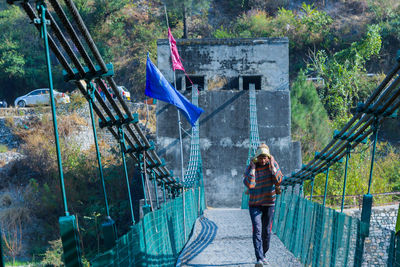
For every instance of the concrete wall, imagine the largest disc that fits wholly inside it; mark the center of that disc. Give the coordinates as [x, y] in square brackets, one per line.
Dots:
[224, 126]
[223, 61]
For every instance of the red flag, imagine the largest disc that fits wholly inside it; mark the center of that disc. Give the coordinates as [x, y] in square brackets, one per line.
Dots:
[176, 61]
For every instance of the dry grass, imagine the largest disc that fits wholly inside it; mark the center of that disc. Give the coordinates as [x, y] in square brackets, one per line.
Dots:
[350, 18]
[147, 117]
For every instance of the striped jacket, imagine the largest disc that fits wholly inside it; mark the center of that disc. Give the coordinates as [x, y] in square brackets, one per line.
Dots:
[261, 183]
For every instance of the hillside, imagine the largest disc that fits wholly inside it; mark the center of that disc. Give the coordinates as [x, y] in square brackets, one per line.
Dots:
[125, 32]
[347, 45]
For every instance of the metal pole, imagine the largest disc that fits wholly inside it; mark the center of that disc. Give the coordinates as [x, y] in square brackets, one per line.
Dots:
[140, 157]
[180, 139]
[312, 188]
[147, 180]
[122, 145]
[345, 175]
[155, 188]
[163, 188]
[52, 103]
[376, 124]
[326, 185]
[91, 97]
[182, 173]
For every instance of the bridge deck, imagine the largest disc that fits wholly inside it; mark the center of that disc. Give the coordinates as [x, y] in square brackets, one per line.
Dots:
[223, 238]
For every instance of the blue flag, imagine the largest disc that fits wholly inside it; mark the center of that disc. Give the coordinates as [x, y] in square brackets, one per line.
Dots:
[159, 88]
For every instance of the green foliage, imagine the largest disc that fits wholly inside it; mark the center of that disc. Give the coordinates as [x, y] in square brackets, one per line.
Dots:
[223, 33]
[310, 123]
[11, 62]
[345, 77]
[385, 175]
[309, 27]
[383, 9]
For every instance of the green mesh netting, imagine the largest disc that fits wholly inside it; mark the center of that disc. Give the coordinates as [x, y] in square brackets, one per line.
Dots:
[158, 238]
[394, 251]
[194, 172]
[254, 137]
[316, 235]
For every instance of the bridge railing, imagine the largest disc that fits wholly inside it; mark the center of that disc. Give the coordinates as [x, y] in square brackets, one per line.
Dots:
[394, 251]
[382, 104]
[157, 239]
[83, 65]
[317, 235]
[355, 201]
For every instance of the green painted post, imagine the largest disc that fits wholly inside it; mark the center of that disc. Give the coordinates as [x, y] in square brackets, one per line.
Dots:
[366, 206]
[163, 188]
[282, 208]
[41, 6]
[376, 125]
[70, 241]
[121, 136]
[68, 225]
[155, 188]
[108, 226]
[326, 185]
[91, 98]
[363, 229]
[397, 228]
[345, 175]
[141, 169]
[312, 187]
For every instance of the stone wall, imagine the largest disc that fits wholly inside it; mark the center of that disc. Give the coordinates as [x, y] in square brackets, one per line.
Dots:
[383, 221]
[224, 126]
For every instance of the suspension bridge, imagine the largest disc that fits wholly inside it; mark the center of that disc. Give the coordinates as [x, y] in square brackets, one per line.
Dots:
[176, 226]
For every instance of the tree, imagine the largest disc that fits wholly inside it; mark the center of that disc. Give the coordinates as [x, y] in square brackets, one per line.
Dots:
[22, 58]
[183, 9]
[310, 123]
[344, 75]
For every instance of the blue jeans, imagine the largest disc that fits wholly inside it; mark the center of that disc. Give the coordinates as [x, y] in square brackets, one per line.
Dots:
[261, 218]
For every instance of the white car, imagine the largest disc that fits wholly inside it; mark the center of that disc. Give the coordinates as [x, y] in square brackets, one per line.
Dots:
[40, 97]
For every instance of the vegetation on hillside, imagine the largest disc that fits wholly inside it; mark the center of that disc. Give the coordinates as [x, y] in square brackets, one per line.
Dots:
[339, 44]
[30, 198]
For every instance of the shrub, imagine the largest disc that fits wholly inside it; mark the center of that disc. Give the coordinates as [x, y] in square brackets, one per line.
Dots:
[53, 255]
[14, 215]
[307, 28]
[385, 175]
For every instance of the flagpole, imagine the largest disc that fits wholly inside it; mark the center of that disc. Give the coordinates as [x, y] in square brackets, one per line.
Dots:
[180, 140]
[180, 136]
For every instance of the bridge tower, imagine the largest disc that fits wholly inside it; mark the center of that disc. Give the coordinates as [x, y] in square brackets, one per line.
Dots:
[223, 69]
